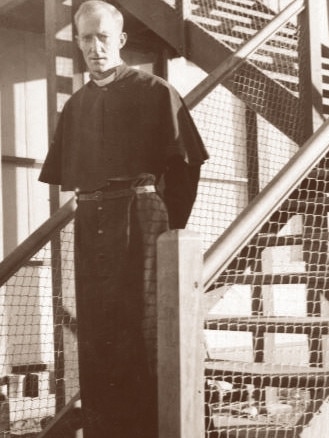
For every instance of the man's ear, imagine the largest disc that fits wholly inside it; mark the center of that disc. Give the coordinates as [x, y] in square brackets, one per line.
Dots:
[123, 39]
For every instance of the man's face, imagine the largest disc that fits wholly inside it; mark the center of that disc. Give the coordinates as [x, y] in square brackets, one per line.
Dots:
[100, 38]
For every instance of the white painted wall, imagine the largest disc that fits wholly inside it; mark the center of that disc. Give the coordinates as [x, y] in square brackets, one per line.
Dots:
[23, 127]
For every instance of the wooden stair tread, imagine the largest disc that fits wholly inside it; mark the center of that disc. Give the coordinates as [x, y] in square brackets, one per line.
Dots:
[259, 430]
[258, 278]
[270, 324]
[303, 205]
[261, 368]
[267, 374]
[265, 240]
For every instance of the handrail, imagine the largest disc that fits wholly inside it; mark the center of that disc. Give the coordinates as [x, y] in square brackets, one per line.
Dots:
[232, 62]
[23, 252]
[252, 218]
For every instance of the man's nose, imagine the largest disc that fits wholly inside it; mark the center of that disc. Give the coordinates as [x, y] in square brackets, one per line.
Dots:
[96, 44]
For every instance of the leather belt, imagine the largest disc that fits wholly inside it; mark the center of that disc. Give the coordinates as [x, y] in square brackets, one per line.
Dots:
[100, 195]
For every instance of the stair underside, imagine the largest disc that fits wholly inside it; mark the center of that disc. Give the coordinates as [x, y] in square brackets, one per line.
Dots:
[208, 52]
[234, 23]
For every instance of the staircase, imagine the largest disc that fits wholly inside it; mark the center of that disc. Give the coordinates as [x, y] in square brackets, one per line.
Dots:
[267, 82]
[278, 397]
[262, 397]
[254, 395]
[233, 23]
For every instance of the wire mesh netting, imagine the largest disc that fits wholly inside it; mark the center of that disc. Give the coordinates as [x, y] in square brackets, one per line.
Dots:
[38, 348]
[266, 325]
[267, 332]
[251, 124]
[267, 314]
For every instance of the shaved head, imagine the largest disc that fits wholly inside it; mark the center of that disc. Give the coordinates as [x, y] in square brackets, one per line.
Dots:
[90, 7]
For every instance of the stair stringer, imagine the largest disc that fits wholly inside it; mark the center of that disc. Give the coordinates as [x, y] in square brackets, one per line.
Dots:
[253, 87]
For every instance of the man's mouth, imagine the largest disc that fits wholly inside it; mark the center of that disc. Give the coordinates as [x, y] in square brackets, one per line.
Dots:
[97, 58]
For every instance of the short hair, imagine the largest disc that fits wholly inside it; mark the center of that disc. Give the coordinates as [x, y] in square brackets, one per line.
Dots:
[90, 6]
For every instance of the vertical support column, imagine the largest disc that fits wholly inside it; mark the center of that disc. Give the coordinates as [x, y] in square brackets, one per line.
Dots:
[253, 190]
[59, 50]
[160, 67]
[310, 65]
[180, 336]
[1, 186]
[4, 406]
[311, 85]
[183, 8]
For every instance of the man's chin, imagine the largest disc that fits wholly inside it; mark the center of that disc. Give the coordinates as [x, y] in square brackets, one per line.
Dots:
[98, 66]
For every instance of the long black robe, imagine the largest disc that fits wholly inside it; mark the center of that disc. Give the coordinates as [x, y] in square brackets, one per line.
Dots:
[137, 125]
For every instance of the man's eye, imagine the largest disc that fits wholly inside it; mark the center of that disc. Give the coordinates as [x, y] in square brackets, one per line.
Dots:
[103, 37]
[87, 38]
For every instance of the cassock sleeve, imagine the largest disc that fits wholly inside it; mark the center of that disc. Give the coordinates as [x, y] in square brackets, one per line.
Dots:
[179, 131]
[180, 190]
[185, 155]
[51, 171]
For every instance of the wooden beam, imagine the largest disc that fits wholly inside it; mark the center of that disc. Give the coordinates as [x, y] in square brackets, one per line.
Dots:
[9, 5]
[183, 9]
[252, 153]
[157, 16]
[21, 161]
[310, 66]
[180, 335]
[59, 46]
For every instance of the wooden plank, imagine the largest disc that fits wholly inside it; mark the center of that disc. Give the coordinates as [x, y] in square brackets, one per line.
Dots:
[180, 335]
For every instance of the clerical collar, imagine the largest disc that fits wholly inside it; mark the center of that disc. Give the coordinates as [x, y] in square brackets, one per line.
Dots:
[109, 78]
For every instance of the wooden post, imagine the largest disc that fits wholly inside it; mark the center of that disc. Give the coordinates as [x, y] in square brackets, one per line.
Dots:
[183, 11]
[60, 72]
[310, 66]
[180, 336]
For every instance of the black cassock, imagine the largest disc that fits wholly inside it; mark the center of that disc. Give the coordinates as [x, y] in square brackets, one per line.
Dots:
[135, 131]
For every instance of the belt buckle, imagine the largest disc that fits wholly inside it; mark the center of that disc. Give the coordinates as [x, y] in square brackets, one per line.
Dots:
[98, 196]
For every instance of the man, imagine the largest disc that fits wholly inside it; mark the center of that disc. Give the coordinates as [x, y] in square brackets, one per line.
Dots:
[118, 138]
